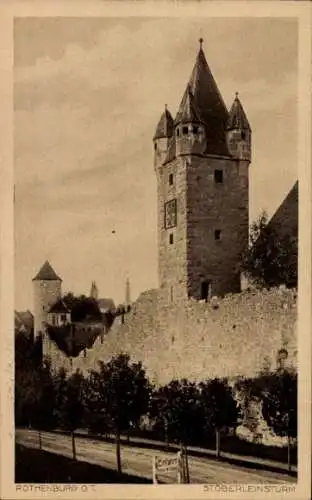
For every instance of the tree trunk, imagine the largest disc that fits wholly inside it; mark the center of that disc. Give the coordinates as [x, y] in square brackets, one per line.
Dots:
[40, 440]
[288, 454]
[74, 446]
[166, 434]
[118, 452]
[217, 443]
[187, 470]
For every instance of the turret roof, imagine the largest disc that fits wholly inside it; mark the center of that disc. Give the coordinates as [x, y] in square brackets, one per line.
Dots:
[188, 111]
[203, 101]
[165, 125]
[210, 105]
[237, 118]
[46, 273]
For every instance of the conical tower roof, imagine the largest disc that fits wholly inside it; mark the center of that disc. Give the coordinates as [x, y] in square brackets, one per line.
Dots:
[165, 125]
[47, 273]
[237, 118]
[210, 104]
[188, 111]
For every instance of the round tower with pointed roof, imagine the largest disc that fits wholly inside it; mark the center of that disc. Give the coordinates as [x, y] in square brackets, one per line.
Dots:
[47, 291]
[163, 133]
[202, 185]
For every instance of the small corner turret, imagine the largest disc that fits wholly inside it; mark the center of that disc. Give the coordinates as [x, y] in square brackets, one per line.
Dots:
[164, 132]
[189, 127]
[238, 132]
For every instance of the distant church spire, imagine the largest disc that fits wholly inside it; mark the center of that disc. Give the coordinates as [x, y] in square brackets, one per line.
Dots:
[94, 293]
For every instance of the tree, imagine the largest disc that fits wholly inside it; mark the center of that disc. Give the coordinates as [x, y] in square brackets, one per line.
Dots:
[271, 258]
[279, 406]
[219, 407]
[70, 406]
[176, 411]
[82, 307]
[120, 392]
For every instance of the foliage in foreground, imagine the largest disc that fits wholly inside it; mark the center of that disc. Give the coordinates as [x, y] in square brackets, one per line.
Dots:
[114, 398]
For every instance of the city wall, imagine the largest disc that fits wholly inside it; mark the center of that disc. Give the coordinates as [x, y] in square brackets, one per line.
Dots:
[237, 335]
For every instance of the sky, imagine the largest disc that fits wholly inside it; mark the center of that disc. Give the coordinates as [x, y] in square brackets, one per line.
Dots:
[88, 93]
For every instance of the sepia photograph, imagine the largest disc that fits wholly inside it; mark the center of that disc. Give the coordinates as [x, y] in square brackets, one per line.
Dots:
[156, 248]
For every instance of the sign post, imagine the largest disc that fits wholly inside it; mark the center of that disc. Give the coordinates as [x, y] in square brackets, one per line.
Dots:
[177, 463]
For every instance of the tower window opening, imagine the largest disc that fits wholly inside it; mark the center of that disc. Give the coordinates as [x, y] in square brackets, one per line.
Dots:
[217, 234]
[171, 239]
[243, 136]
[155, 146]
[170, 179]
[178, 132]
[218, 175]
[185, 130]
[195, 130]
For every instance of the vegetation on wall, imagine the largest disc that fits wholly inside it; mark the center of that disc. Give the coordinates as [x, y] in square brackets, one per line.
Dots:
[272, 257]
[119, 399]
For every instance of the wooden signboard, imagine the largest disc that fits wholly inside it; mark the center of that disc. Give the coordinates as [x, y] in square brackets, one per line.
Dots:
[177, 463]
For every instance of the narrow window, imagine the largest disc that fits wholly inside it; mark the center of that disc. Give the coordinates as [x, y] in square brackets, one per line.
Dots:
[155, 146]
[217, 234]
[195, 130]
[218, 175]
[171, 294]
[178, 132]
[170, 179]
[185, 130]
[171, 238]
[243, 136]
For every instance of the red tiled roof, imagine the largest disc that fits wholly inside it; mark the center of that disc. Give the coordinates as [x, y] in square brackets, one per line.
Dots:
[47, 273]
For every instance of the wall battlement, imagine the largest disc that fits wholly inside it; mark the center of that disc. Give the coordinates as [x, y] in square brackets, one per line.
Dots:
[237, 335]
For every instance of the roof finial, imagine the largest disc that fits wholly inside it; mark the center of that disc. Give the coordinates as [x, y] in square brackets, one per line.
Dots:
[236, 95]
[201, 41]
[166, 107]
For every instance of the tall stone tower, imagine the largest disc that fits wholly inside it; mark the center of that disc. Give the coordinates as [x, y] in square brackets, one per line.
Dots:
[47, 290]
[201, 161]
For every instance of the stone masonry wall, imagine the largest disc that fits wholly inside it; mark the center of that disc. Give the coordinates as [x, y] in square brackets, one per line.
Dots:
[233, 336]
[215, 206]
